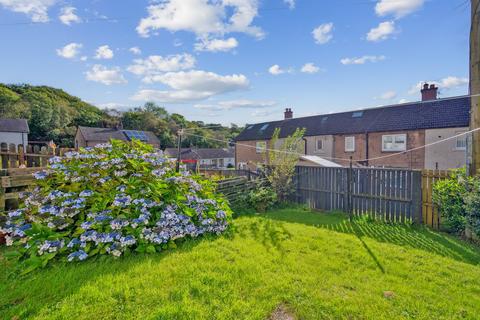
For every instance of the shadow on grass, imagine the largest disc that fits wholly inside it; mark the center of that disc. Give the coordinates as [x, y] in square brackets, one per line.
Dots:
[418, 237]
[25, 296]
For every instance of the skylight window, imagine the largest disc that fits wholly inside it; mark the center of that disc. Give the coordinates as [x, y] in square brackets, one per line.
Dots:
[249, 127]
[357, 114]
[324, 119]
[265, 126]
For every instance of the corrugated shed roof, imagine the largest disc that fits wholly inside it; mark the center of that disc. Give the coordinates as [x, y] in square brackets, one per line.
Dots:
[441, 113]
[14, 125]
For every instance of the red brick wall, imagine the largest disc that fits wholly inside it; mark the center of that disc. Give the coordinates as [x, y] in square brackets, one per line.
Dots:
[245, 151]
[414, 159]
[339, 148]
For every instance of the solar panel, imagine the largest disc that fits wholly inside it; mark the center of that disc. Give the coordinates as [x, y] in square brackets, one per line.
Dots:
[134, 134]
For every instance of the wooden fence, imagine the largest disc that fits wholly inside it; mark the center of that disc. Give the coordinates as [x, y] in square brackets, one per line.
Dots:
[430, 214]
[385, 194]
[233, 188]
[14, 181]
[30, 157]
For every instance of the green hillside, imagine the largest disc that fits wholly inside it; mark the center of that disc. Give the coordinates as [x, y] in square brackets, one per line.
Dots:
[54, 115]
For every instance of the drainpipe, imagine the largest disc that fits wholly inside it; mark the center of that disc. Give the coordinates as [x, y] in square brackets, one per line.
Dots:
[305, 140]
[366, 148]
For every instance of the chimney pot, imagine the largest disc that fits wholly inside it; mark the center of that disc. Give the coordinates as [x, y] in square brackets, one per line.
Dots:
[429, 92]
[288, 113]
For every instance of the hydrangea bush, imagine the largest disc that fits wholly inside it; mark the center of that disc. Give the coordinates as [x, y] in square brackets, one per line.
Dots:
[112, 199]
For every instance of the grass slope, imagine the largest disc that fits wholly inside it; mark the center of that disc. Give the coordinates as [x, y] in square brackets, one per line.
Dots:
[318, 266]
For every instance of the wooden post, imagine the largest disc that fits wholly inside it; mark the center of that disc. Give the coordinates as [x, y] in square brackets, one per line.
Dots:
[349, 189]
[179, 150]
[416, 203]
[475, 86]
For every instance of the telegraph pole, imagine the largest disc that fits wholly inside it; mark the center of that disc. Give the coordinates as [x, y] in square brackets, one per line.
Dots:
[475, 87]
[179, 150]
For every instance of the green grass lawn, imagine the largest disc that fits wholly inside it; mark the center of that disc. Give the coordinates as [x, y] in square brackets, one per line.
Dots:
[319, 266]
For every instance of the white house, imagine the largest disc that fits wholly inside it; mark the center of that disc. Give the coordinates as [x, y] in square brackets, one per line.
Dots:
[13, 134]
[205, 157]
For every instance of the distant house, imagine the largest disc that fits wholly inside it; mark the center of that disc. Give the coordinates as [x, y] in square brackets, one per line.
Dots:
[13, 134]
[89, 137]
[205, 157]
[373, 134]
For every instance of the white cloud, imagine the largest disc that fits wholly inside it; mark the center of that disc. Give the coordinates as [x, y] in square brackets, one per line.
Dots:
[453, 82]
[290, 3]
[449, 82]
[135, 50]
[104, 52]
[104, 75]
[276, 70]
[202, 17]
[192, 85]
[310, 68]
[388, 95]
[382, 32]
[156, 65]
[70, 51]
[323, 33]
[398, 8]
[362, 60]
[67, 16]
[215, 45]
[37, 10]
[236, 104]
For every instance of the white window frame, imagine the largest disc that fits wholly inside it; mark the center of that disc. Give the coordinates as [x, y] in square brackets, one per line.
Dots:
[395, 147]
[260, 146]
[316, 144]
[352, 149]
[463, 139]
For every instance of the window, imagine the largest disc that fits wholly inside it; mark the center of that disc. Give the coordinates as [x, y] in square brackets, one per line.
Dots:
[357, 114]
[260, 146]
[265, 126]
[461, 142]
[349, 144]
[394, 142]
[319, 145]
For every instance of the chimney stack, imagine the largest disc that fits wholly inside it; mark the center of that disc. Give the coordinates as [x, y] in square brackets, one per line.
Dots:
[429, 92]
[288, 113]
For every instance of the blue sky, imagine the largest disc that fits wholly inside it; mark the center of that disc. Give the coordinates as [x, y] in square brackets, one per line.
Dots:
[237, 61]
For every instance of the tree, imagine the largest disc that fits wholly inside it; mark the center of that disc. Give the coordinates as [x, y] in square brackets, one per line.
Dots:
[282, 159]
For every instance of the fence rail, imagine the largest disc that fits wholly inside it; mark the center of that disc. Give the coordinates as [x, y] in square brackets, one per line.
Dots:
[384, 194]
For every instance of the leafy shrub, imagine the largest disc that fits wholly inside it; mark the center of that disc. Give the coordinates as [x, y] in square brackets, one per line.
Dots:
[472, 208]
[458, 200]
[261, 198]
[449, 196]
[112, 199]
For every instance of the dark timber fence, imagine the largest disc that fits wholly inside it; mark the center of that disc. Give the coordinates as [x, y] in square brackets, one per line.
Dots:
[385, 194]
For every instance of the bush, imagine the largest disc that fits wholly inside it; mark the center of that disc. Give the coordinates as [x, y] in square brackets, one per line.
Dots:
[449, 196]
[112, 199]
[458, 200]
[262, 198]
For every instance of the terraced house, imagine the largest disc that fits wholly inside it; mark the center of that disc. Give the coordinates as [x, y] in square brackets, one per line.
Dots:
[372, 136]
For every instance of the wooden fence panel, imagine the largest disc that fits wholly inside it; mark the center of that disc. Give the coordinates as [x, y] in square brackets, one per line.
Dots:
[430, 214]
[385, 194]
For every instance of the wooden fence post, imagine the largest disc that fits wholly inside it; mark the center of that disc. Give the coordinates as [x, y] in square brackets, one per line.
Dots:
[417, 197]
